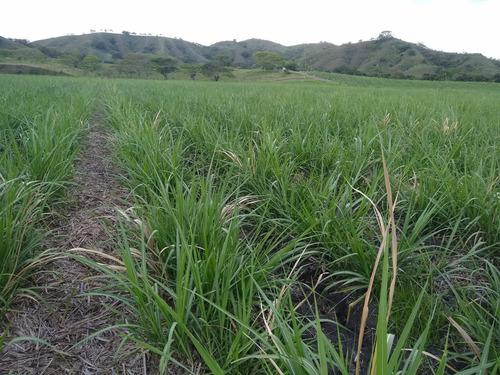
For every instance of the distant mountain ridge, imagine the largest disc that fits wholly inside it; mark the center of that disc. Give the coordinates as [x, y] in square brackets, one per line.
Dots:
[385, 56]
[110, 47]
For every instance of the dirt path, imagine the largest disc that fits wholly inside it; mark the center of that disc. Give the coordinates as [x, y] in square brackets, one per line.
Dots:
[81, 224]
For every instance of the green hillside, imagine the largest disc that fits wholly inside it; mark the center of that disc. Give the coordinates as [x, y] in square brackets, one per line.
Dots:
[18, 49]
[392, 57]
[112, 47]
[242, 52]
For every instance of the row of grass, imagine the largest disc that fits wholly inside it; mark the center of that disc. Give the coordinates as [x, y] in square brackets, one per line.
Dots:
[238, 186]
[41, 124]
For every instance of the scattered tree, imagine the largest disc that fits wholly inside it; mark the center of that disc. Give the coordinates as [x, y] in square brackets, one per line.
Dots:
[216, 68]
[212, 70]
[292, 65]
[165, 65]
[269, 60]
[224, 60]
[91, 63]
[136, 63]
[193, 69]
[72, 59]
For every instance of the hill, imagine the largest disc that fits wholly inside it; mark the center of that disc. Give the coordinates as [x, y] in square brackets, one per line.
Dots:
[18, 48]
[242, 52]
[392, 57]
[384, 56]
[112, 47]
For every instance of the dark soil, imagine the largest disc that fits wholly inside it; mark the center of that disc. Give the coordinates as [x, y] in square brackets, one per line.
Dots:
[340, 314]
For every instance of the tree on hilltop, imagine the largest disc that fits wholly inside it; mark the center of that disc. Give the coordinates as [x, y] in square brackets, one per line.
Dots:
[386, 34]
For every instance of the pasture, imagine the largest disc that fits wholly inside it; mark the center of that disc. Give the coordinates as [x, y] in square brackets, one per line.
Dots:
[304, 227]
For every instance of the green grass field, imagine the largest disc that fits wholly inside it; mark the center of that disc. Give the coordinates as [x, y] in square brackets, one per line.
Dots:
[261, 203]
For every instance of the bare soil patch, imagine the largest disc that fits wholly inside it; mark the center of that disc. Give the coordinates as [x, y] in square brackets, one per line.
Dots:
[66, 318]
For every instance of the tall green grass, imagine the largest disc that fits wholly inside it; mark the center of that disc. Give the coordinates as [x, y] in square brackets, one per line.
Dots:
[291, 160]
[42, 123]
[239, 188]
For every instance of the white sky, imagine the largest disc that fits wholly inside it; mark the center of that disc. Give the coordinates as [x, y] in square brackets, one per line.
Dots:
[447, 25]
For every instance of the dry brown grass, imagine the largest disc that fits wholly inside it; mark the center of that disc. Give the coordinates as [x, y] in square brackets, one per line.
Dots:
[384, 231]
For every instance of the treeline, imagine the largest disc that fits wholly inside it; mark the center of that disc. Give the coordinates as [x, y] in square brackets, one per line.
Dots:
[145, 65]
[451, 74]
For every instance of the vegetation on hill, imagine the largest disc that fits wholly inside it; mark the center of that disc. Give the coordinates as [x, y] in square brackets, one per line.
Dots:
[243, 52]
[387, 56]
[107, 54]
[18, 49]
[113, 47]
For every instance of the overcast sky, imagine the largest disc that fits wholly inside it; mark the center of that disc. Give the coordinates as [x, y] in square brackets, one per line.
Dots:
[447, 25]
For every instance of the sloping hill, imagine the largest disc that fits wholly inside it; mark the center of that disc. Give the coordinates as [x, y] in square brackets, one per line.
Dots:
[111, 47]
[392, 57]
[18, 48]
[242, 52]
